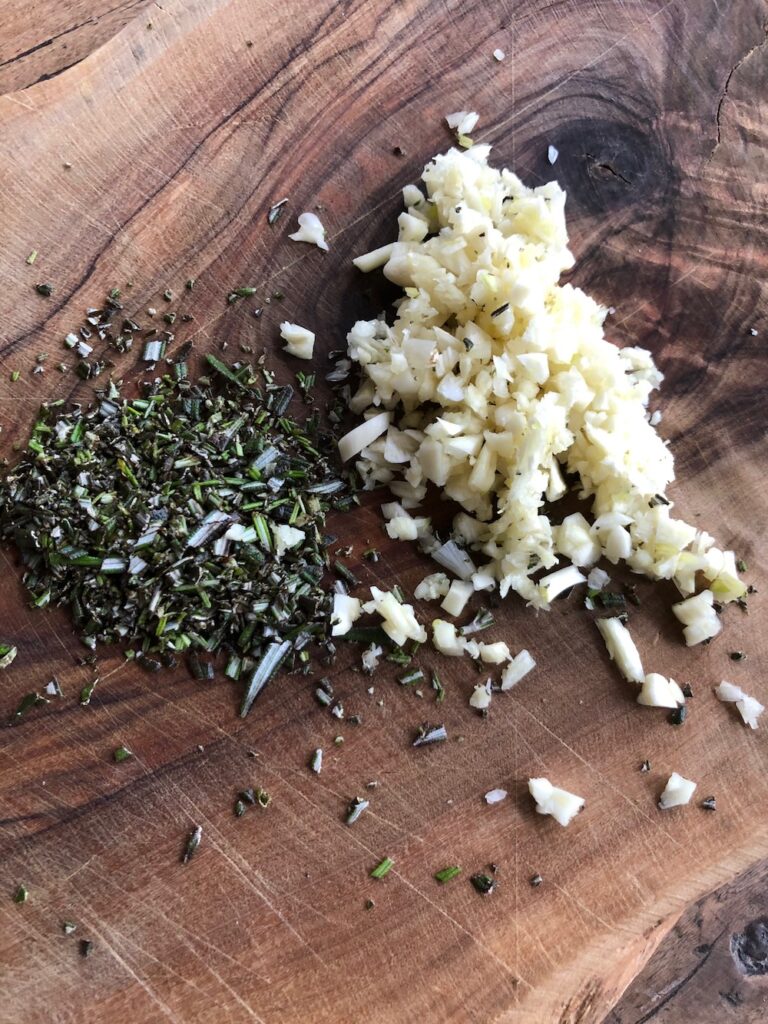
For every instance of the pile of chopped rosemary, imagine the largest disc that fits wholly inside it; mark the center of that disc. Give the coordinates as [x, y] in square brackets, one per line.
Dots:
[189, 519]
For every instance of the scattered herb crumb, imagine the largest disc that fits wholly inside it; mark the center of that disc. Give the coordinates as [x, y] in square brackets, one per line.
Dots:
[44, 289]
[430, 734]
[122, 754]
[7, 654]
[383, 868]
[369, 904]
[32, 257]
[709, 803]
[645, 766]
[276, 211]
[21, 895]
[741, 565]
[87, 692]
[678, 716]
[737, 656]
[29, 700]
[484, 884]
[536, 880]
[446, 874]
[68, 927]
[355, 809]
[86, 947]
[193, 842]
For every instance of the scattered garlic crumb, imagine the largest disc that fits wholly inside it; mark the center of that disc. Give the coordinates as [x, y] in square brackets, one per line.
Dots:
[677, 792]
[621, 649]
[517, 669]
[481, 696]
[432, 587]
[559, 803]
[495, 796]
[659, 692]
[748, 707]
[310, 230]
[463, 121]
[300, 341]
[552, 154]
[346, 610]
[499, 55]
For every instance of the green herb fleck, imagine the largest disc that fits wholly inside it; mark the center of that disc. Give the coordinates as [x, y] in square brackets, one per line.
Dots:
[15, 374]
[484, 884]
[741, 565]
[383, 868]
[430, 734]
[8, 653]
[438, 687]
[446, 874]
[29, 700]
[32, 257]
[44, 289]
[21, 895]
[87, 692]
[190, 284]
[122, 754]
[192, 844]
[276, 211]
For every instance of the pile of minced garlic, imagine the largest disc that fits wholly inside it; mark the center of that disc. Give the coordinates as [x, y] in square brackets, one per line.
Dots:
[493, 382]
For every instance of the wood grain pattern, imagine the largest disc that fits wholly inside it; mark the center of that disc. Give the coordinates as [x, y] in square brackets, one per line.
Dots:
[180, 136]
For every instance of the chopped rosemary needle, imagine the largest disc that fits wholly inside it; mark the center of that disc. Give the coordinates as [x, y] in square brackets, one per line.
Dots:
[87, 692]
[415, 676]
[355, 809]
[8, 653]
[430, 734]
[447, 874]
[383, 868]
[484, 884]
[29, 700]
[438, 687]
[192, 844]
[276, 211]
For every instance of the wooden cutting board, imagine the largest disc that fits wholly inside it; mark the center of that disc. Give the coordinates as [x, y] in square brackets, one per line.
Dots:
[154, 160]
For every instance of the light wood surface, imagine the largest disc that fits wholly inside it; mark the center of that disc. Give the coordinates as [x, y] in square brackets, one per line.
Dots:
[180, 135]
